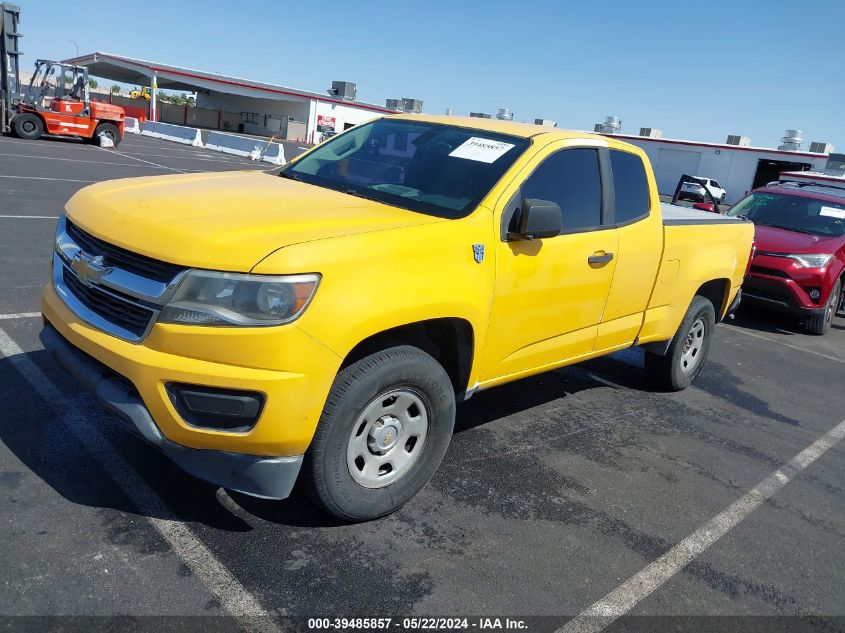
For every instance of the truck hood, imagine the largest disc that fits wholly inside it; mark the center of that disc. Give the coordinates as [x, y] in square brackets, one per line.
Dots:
[769, 238]
[224, 221]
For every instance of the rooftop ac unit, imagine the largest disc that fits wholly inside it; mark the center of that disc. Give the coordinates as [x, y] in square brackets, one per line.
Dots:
[412, 105]
[545, 122]
[480, 115]
[345, 90]
[739, 141]
[818, 147]
[611, 125]
[651, 132]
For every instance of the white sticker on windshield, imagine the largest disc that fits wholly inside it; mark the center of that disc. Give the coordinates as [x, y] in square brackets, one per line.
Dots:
[480, 149]
[833, 212]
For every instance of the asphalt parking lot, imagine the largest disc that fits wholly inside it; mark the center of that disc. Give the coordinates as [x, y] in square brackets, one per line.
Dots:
[555, 491]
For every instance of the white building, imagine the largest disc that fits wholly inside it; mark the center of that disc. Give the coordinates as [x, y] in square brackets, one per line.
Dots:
[737, 168]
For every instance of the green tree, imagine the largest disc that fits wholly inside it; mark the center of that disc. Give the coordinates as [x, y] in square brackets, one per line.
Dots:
[92, 83]
[115, 89]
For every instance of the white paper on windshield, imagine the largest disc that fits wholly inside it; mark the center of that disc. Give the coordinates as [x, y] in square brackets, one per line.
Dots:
[480, 149]
[832, 212]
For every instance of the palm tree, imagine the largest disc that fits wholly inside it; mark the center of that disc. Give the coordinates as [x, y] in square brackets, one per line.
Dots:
[115, 89]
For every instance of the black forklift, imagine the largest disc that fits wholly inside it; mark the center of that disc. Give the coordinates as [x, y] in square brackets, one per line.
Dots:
[10, 53]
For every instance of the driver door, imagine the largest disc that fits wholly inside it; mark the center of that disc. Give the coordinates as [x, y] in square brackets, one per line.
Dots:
[551, 293]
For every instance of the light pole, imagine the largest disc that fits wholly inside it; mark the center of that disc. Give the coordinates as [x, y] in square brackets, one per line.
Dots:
[77, 47]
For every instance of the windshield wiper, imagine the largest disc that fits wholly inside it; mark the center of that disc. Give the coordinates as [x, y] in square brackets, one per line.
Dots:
[788, 228]
[358, 194]
[289, 174]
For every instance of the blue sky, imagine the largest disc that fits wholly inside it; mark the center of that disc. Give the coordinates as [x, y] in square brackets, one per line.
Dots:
[698, 71]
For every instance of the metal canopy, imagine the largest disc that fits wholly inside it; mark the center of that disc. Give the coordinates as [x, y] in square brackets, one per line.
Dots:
[140, 72]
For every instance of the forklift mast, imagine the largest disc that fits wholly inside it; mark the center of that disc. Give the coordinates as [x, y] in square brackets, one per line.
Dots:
[9, 62]
[66, 81]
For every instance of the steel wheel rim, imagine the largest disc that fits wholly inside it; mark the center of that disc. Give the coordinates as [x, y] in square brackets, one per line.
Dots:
[387, 438]
[693, 344]
[28, 126]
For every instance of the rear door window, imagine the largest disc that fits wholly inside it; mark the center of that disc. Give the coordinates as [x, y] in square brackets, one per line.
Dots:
[630, 185]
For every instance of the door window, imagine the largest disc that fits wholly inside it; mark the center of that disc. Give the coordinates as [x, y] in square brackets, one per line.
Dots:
[572, 179]
[630, 186]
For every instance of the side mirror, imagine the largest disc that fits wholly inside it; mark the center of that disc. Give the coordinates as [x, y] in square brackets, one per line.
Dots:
[538, 219]
[705, 206]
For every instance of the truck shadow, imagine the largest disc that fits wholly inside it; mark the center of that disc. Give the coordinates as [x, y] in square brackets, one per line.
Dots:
[39, 434]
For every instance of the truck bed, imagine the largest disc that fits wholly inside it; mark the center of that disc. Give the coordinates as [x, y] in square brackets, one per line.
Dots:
[674, 215]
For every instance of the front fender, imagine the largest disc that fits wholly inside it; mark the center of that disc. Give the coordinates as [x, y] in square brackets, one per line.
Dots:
[380, 280]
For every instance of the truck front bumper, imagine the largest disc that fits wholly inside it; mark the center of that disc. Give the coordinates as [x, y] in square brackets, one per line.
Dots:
[255, 475]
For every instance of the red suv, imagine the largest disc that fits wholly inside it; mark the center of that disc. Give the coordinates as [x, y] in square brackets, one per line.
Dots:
[800, 258]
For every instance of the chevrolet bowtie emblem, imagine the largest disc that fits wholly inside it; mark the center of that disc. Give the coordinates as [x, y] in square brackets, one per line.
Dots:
[89, 269]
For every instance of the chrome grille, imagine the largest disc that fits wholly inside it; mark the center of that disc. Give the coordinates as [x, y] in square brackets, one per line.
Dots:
[108, 287]
[115, 256]
[122, 311]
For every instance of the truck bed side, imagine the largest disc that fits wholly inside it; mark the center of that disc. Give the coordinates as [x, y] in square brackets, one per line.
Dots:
[699, 248]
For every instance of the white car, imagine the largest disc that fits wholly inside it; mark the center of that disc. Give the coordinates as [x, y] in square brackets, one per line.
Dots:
[697, 191]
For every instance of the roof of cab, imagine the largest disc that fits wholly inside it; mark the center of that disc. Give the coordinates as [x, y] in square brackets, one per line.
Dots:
[525, 130]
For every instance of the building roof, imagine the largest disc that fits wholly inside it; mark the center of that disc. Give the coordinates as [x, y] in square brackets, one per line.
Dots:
[139, 71]
[742, 148]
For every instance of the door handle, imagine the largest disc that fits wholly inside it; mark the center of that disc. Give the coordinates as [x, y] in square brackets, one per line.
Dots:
[600, 259]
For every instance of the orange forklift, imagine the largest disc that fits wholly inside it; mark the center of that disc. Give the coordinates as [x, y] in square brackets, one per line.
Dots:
[50, 108]
[57, 101]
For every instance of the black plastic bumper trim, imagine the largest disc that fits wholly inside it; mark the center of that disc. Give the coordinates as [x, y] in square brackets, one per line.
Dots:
[254, 475]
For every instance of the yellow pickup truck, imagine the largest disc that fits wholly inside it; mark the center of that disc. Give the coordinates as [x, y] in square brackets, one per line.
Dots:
[319, 326]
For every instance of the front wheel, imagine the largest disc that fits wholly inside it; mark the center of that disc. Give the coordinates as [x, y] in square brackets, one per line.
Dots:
[109, 130]
[384, 430]
[688, 350]
[819, 324]
[28, 126]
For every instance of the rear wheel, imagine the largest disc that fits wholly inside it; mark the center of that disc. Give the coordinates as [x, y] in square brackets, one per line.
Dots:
[109, 130]
[820, 323]
[384, 430]
[28, 126]
[688, 350]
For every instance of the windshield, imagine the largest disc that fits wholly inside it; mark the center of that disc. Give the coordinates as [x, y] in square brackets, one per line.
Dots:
[794, 213]
[426, 167]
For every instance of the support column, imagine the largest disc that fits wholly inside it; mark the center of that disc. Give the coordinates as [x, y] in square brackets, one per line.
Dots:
[153, 91]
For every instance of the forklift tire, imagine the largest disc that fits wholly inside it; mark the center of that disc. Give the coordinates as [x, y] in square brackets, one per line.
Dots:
[110, 130]
[28, 126]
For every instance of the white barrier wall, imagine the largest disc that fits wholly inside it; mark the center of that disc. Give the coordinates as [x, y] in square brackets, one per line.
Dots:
[131, 126]
[254, 148]
[176, 133]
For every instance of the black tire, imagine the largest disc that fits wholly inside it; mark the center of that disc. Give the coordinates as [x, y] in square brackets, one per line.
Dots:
[28, 126]
[675, 371]
[819, 324]
[110, 130]
[327, 471]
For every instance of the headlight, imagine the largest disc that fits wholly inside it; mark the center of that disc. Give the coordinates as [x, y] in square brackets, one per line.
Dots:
[212, 298]
[811, 261]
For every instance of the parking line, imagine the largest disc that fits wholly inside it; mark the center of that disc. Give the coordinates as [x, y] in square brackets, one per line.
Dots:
[789, 345]
[31, 217]
[148, 162]
[20, 315]
[198, 156]
[45, 178]
[627, 595]
[232, 595]
[75, 160]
